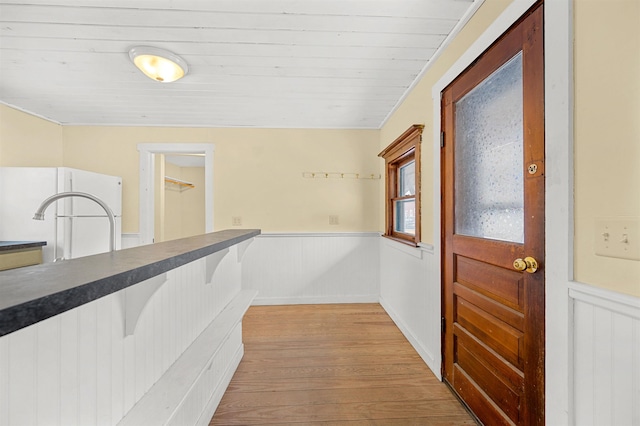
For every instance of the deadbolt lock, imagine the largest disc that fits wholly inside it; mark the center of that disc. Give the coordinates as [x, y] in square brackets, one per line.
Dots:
[528, 264]
[533, 168]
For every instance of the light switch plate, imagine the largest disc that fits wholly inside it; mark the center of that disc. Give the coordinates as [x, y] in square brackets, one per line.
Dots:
[617, 237]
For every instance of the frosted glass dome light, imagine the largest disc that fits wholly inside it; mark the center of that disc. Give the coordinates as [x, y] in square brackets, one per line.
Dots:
[158, 64]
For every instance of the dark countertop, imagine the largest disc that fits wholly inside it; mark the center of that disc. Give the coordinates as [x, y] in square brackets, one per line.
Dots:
[32, 294]
[18, 245]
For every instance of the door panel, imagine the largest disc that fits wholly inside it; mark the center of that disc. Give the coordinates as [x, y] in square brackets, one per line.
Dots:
[505, 372]
[493, 252]
[502, 285]
[475, 397]
[497, 335]
[507, 397]
[509, 316]
[493, 214]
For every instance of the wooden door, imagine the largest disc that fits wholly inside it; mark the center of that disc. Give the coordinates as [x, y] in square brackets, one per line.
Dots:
[493, 215]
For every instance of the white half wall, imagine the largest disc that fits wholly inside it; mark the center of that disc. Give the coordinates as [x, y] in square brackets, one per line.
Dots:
[312, 268]
[410, 293]
[130, 240]
[606, 357]
[82, 368]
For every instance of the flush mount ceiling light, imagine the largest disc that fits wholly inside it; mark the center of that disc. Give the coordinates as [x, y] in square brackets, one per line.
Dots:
[158, 64]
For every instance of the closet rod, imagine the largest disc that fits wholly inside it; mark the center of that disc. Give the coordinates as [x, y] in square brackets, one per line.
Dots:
[179, 182]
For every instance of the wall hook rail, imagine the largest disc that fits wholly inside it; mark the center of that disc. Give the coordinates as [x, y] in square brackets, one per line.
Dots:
[339, 175]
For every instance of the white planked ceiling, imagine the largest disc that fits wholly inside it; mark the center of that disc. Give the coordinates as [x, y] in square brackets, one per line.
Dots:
[253, 63]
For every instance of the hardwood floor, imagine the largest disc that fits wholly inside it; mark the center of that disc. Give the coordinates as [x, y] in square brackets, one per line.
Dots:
[332, 365]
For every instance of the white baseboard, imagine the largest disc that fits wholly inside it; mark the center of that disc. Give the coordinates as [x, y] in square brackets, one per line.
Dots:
[317, 234]
[372, 298]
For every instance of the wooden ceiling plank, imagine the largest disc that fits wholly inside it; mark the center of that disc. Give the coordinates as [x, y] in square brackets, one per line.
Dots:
[291, 82]
[444, 9]
[278, 51]
[141, 35]
[246, 21]
[233, 55]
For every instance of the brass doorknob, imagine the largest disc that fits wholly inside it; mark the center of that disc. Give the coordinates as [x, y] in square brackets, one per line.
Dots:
[528, 264]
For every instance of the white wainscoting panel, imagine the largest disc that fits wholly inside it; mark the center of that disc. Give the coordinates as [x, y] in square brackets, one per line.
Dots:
[606, 357]
[130, 240]
[80, 367]
[312, 268]
[410, 293]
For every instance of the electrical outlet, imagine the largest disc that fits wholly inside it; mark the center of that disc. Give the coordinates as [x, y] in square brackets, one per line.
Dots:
[236, 221]
[617, 237]
[334, 219]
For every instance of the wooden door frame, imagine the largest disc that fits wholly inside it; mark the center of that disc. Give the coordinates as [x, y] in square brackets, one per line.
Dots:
[558, 27]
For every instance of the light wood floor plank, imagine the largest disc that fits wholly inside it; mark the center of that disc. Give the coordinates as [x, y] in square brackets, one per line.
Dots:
[332, 365]
[335, 396]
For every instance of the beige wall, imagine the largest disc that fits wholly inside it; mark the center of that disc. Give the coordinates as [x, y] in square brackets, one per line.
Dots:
[183, 208]
[28, 141]
[607, 127]
[607, 133]
[257, 173]
[417, 108]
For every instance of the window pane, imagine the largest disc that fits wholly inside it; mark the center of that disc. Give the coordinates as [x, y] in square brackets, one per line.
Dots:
[489, 200]
[407, 176]
[405, 215]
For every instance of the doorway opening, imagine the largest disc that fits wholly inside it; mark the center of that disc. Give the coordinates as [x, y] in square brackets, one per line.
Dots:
[179, 196]
[159, 209]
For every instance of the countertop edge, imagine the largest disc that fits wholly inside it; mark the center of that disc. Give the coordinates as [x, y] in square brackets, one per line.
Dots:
[20, 245]
[30, 295]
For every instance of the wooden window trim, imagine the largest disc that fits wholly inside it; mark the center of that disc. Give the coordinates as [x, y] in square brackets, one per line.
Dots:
[402, 150]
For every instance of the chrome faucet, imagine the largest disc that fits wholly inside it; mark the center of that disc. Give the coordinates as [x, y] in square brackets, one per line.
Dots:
[39, 215]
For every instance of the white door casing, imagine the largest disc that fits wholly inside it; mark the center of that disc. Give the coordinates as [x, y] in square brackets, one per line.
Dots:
[147, 190]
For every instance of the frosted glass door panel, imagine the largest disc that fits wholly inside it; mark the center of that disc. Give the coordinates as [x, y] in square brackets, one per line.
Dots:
[489, 200]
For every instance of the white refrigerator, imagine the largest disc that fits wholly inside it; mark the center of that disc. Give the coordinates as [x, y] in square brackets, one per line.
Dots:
[73, 227]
